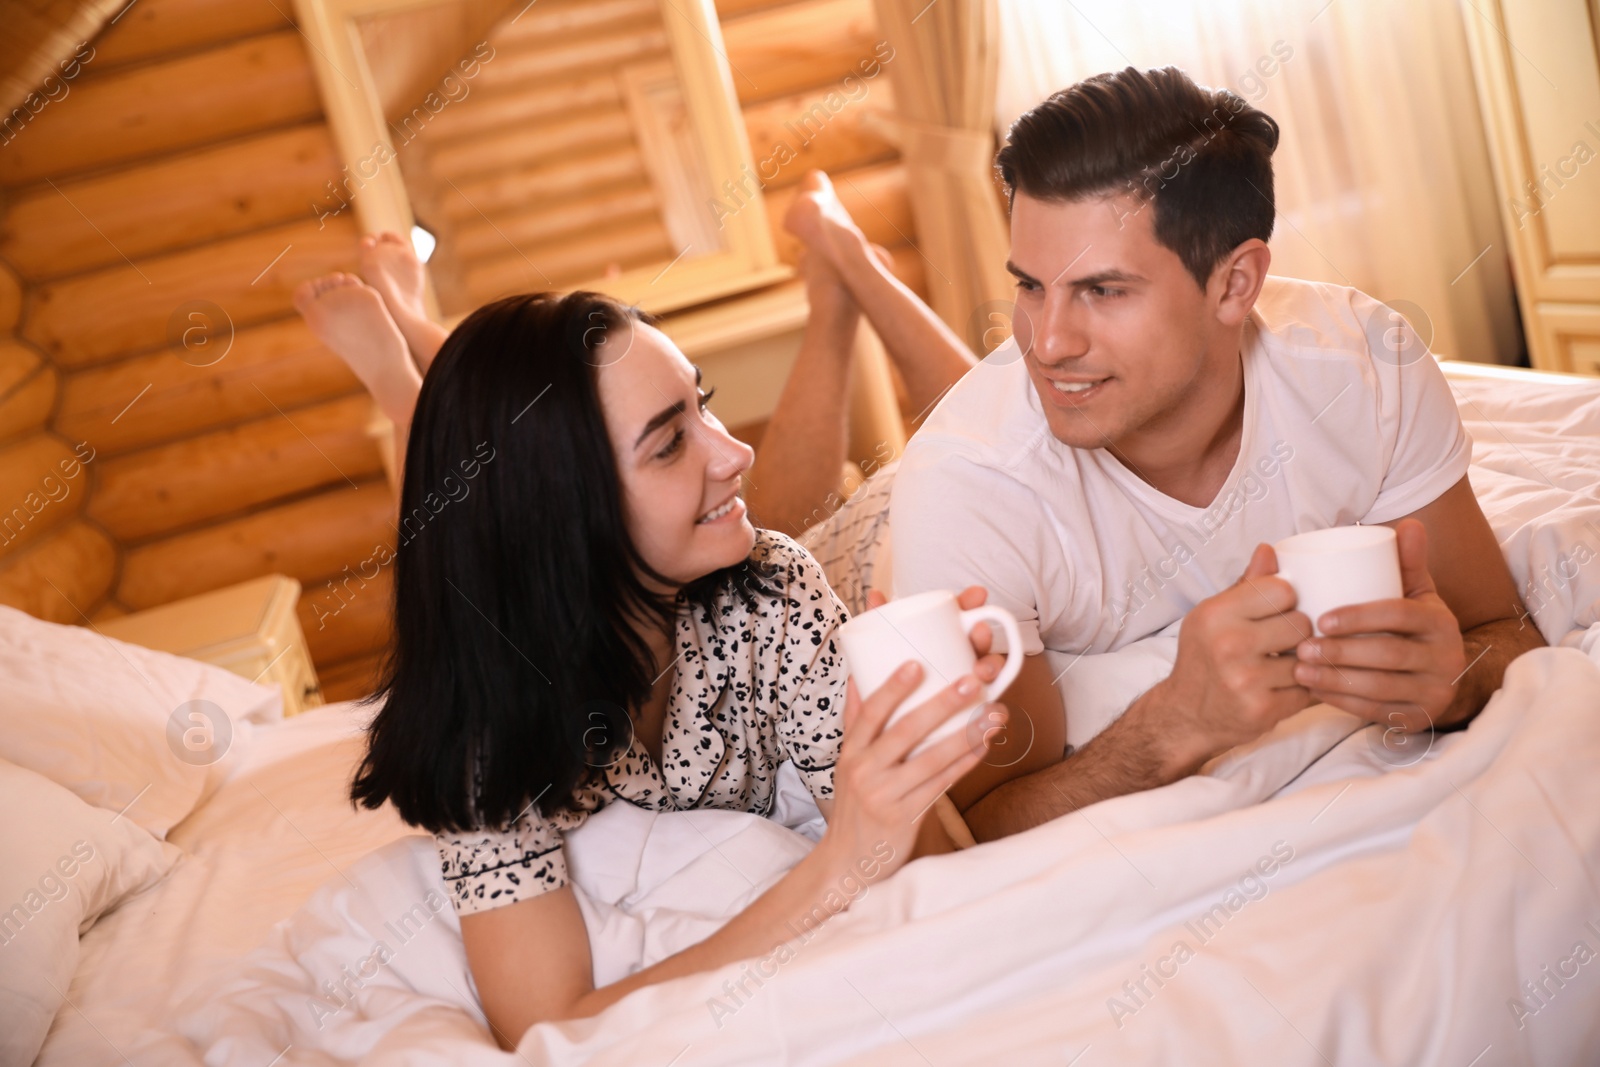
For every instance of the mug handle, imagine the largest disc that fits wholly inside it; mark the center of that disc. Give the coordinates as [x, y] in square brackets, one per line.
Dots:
[995, 614]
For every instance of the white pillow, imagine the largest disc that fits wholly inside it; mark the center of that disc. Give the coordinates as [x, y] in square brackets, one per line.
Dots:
[124, 727]
[1097, 688]
[65, 864]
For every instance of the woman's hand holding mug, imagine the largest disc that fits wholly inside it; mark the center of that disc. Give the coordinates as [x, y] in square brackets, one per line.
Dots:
[926, 662]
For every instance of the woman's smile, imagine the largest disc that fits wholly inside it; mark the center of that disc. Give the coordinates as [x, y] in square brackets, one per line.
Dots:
[731, 510]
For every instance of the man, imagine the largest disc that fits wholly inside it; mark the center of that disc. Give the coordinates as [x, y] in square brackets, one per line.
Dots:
[1164, 412]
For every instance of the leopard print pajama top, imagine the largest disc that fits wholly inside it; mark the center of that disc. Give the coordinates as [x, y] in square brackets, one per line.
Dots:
[754, 687]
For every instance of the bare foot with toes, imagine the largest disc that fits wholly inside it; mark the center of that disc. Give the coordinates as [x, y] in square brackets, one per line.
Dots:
[818, 218]
[350, 318]
[389, 264]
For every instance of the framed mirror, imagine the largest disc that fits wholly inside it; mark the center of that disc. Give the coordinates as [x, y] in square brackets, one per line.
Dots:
[544, 144]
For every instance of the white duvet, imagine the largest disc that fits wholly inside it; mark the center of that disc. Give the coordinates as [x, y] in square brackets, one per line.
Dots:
[1355, 917]
[1306, 901]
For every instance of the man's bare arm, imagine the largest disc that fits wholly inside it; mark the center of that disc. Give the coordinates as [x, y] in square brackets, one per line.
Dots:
[1489, 648]
[1228, 685]
[1033, 739]
[1127, 757]
[1473, 580]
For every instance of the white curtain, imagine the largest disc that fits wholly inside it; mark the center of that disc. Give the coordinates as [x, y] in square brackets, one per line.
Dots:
[944, 84]
[1383, 175]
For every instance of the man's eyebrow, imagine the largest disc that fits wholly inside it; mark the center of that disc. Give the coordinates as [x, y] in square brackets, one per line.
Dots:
[1018, 272]
[1104, 276]
[1097, 278]
[660, 419]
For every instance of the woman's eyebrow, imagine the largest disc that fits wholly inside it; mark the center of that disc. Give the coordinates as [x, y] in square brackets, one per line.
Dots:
[660, 419]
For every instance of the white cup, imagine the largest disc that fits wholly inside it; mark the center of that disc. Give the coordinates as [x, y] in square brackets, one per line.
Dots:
[932, 629]
[1339, 567]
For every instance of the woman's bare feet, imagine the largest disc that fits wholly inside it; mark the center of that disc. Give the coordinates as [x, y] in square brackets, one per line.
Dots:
[389, 264]
[350, 318]
[819, 219]
[928, 354]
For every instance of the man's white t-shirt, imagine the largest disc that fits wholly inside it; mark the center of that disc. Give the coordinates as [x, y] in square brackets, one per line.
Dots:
[1090, 558]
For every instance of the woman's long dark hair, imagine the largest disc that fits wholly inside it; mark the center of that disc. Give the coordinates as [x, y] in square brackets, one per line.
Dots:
[517, 589]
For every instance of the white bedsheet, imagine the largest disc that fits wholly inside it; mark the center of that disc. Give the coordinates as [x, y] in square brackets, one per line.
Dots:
[1355, 917]
[254, 852]
[1536, 471]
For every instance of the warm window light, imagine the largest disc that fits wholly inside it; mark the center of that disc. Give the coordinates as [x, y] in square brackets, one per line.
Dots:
[423, 241]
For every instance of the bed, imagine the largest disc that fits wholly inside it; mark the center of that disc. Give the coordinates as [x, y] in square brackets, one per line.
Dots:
[1320, 896]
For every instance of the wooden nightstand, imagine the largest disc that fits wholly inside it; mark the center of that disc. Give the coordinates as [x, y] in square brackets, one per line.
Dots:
[250, 629]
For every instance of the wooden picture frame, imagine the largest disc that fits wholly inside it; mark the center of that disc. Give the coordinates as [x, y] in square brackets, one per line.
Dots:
[745, 261]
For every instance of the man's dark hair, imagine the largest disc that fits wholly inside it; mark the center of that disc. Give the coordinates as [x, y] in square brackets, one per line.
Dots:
[516, 660]
[1201, 157]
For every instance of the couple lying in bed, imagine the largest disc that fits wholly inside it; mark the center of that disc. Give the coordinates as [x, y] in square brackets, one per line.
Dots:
[600, 619]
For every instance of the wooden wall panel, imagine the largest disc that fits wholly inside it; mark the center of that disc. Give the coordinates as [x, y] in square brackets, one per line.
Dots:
[351, 618]
[39, 36]
[548, 223]
[795, 47]
[26, 407]
[61, 577]
[819, 129]
[350, 679]
[96, 316]
[215, 475]
[182, 167]
[10, 299]
[562, 58]
[145, 111]
[27, 390]
[875, 196]
[407, 49]
[732, 9]
[479, 114]
[109, 609]
[513, 147]
[154, 28]
[571, 177]
[37, 494]
[628, 245]
[553, 20]
[156, 398]
[308, 539]
[170, 203]
[18, 363]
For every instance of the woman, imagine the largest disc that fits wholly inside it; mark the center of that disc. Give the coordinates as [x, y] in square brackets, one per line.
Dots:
[584, 613]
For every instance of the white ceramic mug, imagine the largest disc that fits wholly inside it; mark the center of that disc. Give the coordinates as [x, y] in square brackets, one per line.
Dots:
[1338, 567]
[932, 629]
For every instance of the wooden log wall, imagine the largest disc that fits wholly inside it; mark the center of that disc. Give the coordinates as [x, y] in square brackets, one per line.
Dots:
[178, 178]
[533, 178]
